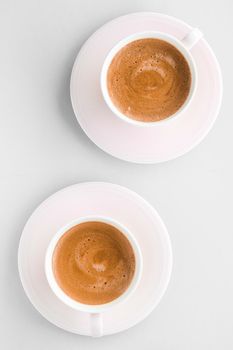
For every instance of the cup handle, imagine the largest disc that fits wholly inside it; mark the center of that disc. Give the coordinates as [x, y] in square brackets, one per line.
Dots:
[96, 325]
[192, 38]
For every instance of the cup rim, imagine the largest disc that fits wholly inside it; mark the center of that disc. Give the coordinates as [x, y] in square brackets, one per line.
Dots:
[143, 35]
[88, 307]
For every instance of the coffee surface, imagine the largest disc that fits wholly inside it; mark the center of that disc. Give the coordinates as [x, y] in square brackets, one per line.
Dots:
[148, 80]
[93, 263]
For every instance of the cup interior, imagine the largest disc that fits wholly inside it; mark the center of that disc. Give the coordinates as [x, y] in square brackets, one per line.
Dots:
[86, 307]
[144, 35]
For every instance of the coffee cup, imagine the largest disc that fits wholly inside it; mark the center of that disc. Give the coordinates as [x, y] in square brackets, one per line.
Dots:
[183, 46]
[95, 311]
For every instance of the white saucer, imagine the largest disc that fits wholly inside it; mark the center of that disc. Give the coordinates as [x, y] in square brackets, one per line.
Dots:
[142, 144]
[104, 199]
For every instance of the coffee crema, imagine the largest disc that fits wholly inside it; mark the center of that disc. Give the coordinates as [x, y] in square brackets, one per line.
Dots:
[93, 263]
[148, 80]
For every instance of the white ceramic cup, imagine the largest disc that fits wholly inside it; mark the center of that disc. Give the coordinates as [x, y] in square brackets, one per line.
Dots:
[95, 311]
[184, 46]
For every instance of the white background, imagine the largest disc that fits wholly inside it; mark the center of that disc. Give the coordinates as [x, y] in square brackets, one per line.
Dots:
[43, 149]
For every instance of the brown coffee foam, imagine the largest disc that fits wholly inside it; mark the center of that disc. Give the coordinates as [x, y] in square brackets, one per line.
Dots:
[93, 263]
[148, 80]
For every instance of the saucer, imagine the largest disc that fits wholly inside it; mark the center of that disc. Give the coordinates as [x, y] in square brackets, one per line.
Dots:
[160, 142]
[102, 199]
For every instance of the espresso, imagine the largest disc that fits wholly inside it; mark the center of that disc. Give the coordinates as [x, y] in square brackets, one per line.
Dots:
[93, 263]
[148, 80]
